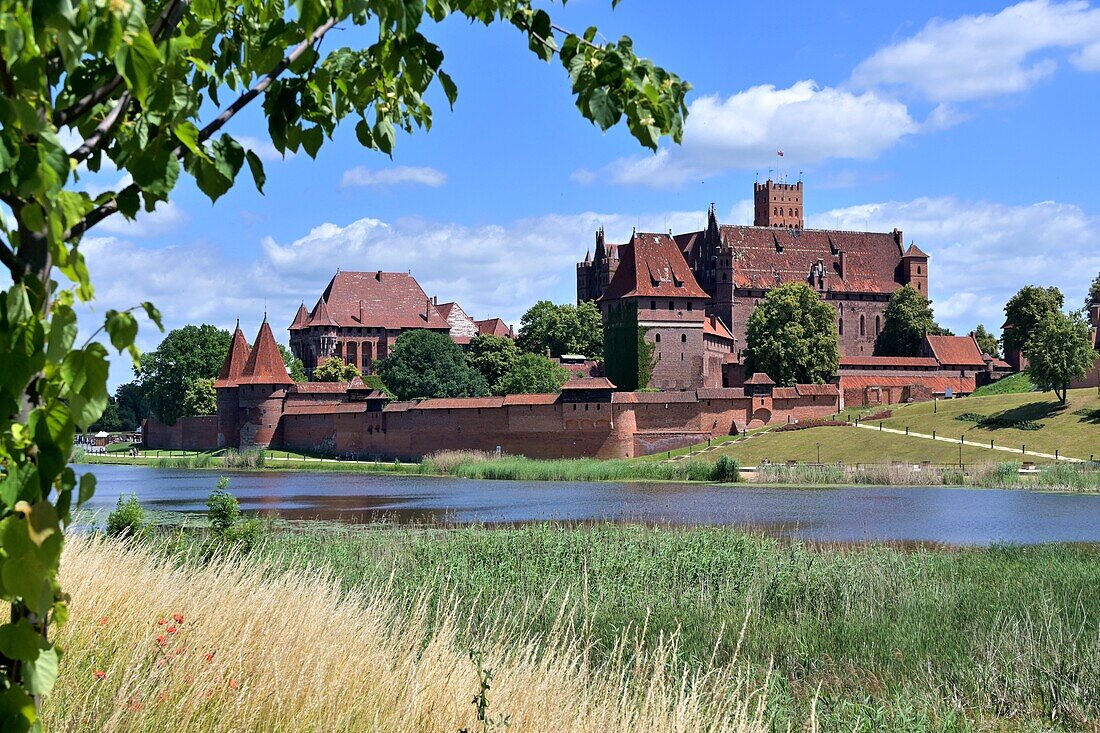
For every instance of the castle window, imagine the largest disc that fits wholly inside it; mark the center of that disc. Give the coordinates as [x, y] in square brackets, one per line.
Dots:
[672, 305]
[681, 356]
[689, 305]
[653, 305]
[919, 288]
[683, 338]
[862, 329]
[841, 327]
[878, 325]
[918, 269]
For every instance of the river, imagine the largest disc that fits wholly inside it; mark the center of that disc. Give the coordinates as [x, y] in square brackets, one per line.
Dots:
[833, 514]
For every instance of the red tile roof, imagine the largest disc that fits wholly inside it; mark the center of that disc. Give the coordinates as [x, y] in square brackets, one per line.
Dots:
[721, 393]
[888, 361]
[301, 318]
[530, 399]
[956, 350]
[785, 393]
[319, 388]
[320, 315]
[760, 378]
[494, 327]
[653, 398]
[914, 251]
[235, 360]
[766, 257]
[652, 265]
[938, 385]
[265, 361]
[588, 383]
[312, 408]
[447, 403]
[713, 326]
[392, 300]
[817, 390]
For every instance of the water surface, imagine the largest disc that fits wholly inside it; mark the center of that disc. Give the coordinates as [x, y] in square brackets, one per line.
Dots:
[835, 514]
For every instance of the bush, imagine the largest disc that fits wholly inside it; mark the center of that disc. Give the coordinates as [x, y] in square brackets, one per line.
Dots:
[813, 423]
[247, 459]
[726, 470]
[222, 508]
[245, 535]
[128, 518]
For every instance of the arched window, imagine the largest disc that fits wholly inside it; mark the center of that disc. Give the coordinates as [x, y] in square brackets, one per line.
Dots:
[683, 338]
[878, 325]
[790, 212]
[657, 338]
[775, 210]
[862, 329]
[918, 269]
[840, 327]
[919, 288]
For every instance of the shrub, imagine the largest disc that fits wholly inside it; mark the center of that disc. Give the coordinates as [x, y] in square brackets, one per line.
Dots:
[726, 470]
[245, 535]
[881, 415]
[814, 423]
[128, 518]
[245, 459]
[222, 507]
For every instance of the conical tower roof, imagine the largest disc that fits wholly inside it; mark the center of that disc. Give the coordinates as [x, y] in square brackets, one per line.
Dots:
[320, 315]
[265, 362]
[235, 360]
[301, 318]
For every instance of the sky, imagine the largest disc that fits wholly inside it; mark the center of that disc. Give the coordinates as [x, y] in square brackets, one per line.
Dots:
[971, 126]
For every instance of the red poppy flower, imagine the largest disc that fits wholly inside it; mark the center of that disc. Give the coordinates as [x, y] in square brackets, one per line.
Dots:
[161, 621]
[172, 629]
[179, 651]
[177, 617]
[210, 657]
[102, 621]
[234, 685]
[162, 640]
[162, 696]
[99, 674]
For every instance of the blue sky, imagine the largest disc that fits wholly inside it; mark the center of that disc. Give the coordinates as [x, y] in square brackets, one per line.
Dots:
[970, 125]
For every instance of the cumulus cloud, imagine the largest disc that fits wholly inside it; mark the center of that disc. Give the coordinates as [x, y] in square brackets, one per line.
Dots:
[263, 148]
[810, 123]
[982, 253]
[398, 175]
[164, 218]
[979, 56]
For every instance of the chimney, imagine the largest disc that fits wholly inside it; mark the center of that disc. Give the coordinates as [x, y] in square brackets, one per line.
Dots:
[360, 310]
[427, 309]
[435, 300]
[899, 239]
[378, 276]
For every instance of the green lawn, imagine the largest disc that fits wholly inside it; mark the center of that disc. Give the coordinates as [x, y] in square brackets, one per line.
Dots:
[1073, 429]
[853, 445]
[1013, 384]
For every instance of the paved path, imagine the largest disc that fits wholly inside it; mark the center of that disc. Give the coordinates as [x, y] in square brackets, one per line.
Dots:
[955, 441]
[716, 446]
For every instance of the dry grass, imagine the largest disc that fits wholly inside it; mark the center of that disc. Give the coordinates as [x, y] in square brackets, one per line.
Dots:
[291, 652]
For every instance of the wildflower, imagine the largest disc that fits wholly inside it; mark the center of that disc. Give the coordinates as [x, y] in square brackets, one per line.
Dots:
[162, 696]
[210, 657]
[99, 674]
[177, 617]
[189, 679]
[234, 685]
[102, 621]
[172, 629]
[179, 651]
[161, 621]
[162, 640]
[135, 705]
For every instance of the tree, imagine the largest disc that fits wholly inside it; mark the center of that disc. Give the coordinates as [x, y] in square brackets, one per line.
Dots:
[1093, 296]
[294, 366]
[493, 357]
[1025, 310]
[200, 398]
[428, 364]
[534, 374]
[141, 86]
[185, 354]
[1059, 351]
[335, 369]
[791, 336]
[987, 342]
[109, 420]
[131, 405]
[562, 329]
[908, 318]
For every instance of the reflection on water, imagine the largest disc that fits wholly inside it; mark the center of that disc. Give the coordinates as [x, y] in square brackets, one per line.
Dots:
[954, 516]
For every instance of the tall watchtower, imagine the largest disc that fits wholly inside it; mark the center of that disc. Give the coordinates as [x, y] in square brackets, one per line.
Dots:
[778, 205]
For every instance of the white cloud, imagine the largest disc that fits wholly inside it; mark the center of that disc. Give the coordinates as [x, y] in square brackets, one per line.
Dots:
[262, 147]
[982, 253]
[164, 218]
[402, 174]
[809, 123]
[978, 56]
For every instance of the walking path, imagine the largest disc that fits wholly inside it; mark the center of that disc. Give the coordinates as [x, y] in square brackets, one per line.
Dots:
[716, 446]
[953, 441]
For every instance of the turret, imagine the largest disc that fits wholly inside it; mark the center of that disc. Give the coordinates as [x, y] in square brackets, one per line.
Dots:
[914, 269]
[778, 205]
[227, 387]
[262, 387]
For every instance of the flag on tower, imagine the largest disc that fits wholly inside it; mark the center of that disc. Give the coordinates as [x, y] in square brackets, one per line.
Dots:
[779, 153]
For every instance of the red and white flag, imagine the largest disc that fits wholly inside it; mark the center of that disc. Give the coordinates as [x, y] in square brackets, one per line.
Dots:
[779, 153]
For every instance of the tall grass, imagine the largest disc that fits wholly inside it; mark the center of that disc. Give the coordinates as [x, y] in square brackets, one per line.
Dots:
[232, 458]
[481, 465]
[894, 475]
[259, 649]
[197, 460]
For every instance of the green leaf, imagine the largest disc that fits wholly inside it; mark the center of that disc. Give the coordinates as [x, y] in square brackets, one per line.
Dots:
[312, 139]
[384, 136]
[602, 109]
[62, 333]
[85, 371]
[52, 428]
[449, 87]
[138, 62]
[20, 484]
[156, 174]
[25, 576]
[17, 712]
[188, 135]
[20, 641]
[122, 328]
[87, 489]
[257, 168]
[153, 314]
[41, 674]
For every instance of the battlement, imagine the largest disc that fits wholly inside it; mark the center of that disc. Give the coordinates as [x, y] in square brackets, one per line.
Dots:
[778, 205]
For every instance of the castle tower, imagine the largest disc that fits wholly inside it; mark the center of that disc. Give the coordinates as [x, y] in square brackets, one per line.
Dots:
[227, 386]
[778, 205]
[261, 388]
[914, 269]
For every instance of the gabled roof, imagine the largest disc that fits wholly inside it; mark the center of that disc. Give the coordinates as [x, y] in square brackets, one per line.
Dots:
[301, 318]
[760, 378]
[914, 251]
[956, 350]
[713, 326]
[235, 360]
[392, 300]
[321, 315]
[588, 383]
[765, 257]
[494, 327]
[893, 362]
[265, 361]
[651, 265]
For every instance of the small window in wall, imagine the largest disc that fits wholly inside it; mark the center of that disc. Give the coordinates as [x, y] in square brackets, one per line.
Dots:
[653, 305]
[840, 327]
[862, 328]
[657, 338]
[878, 325]
[689, 305]
[672, 305]
[683, 338]
[919, 288]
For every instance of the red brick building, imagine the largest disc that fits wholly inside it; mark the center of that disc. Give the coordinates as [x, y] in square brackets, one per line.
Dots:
[855, 272]
[360, 315]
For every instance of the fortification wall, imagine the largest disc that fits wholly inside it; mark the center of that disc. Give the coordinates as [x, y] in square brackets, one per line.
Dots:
[188, 433]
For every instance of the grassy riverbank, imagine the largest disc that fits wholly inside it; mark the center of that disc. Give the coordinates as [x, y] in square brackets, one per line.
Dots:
[597, 628]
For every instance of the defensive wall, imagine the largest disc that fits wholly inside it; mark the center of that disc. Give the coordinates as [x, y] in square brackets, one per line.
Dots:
[579, 422]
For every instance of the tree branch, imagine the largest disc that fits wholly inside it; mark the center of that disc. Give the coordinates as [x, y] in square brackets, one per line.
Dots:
[9, 259]
[104, 210]
[97, 138]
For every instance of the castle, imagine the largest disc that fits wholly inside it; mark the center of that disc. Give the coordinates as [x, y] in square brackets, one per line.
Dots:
[736, 266]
